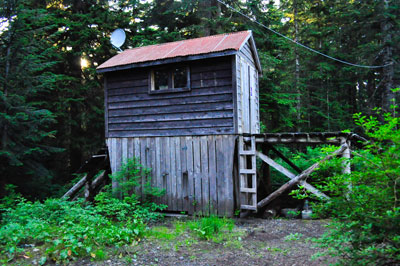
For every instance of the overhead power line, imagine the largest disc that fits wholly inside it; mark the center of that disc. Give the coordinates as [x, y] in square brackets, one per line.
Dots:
[300, 44]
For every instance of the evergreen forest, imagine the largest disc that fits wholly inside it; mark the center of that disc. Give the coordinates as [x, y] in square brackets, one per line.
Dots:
[327, 66]
[51, 99]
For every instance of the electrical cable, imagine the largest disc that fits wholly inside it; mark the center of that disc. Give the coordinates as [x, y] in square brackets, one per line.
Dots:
[300, 44]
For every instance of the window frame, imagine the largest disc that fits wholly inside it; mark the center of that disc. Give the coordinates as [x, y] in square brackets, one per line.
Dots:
[170, 80]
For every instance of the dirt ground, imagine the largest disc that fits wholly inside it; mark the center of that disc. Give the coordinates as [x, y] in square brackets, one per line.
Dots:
[252, 242]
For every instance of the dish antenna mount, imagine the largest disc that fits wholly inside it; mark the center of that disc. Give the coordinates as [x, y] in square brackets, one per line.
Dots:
[117, 38]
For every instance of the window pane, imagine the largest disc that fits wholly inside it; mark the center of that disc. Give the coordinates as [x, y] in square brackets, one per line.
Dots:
[160, 80]
[180, 77]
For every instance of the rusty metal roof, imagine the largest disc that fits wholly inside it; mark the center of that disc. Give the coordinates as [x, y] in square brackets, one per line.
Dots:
[198, 46]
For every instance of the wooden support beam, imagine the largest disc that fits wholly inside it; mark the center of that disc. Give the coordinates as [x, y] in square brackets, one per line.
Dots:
[266, 171]
[290, 175]
[299, 177]
[286, 160]
[70, 193]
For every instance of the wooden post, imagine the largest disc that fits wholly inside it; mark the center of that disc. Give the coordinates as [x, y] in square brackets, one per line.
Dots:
[266, 173]
[346, 155]
[346, 167]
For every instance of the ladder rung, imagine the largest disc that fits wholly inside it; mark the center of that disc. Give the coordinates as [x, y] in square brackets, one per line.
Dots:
[247, 152]
[248, 190]
[248, 171]
[248, 207]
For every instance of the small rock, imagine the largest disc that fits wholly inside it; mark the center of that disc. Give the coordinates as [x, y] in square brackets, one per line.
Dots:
[181, 258]
[34, 262]
[35, 250]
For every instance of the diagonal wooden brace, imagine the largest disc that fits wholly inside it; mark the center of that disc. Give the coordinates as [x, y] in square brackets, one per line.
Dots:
[290, 175]
[295, 179]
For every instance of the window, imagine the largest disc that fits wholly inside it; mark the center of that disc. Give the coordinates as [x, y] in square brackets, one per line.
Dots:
[169, 79]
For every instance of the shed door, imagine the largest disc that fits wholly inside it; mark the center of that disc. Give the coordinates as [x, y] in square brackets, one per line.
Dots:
[245, 96]
[254, 104]
[249, 99]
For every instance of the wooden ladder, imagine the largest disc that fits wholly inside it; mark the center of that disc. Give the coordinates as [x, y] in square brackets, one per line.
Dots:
[248, 173]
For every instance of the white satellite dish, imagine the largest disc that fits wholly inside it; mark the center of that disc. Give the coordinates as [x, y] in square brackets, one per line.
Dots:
[117, 38]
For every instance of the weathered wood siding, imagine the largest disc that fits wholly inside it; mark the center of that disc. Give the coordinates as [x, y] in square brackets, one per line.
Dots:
[247, 92]
[196, 172]
[206, 109]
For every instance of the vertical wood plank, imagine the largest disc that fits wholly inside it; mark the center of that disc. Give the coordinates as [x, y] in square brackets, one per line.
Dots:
[173, 179]
[112, 149]
[212, 170]
[189, 158]
[105, 108]
[118, 161]
[178, 174]
[185, 186]
[124, 149]
[197, 174]
[168, 176]
[136, 151]
[220, 176]
[152, 162]
[228, 173]
[158, 177]
[148, 165]
[204, 176]
[130, 148]
[163, 148]
[143, 162]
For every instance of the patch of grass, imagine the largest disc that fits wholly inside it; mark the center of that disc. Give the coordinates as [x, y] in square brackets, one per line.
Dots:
[293, 237]
[162, 233]
[274, 250]
[211, 227]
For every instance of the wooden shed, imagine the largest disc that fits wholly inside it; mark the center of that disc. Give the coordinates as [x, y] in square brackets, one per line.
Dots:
[179, 107]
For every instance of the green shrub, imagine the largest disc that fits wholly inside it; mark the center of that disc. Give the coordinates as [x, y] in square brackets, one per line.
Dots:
[130, 176]
[365, 204]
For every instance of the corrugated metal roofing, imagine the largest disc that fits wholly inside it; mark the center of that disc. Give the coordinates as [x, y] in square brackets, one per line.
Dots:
[204, 45]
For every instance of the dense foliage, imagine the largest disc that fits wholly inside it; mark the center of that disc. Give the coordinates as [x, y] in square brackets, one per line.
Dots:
[65, 230]
[364, 204]
[51, 99]
[51, 107]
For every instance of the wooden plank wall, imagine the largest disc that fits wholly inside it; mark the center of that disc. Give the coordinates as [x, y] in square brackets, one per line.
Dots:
[196, 172]
[206, 109]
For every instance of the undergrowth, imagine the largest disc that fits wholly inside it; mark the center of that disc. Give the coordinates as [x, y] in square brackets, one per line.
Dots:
[66, 230]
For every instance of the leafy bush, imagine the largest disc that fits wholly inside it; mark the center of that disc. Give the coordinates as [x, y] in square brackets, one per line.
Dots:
[365, 203]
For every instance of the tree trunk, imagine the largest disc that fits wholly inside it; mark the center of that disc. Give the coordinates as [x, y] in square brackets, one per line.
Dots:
[5, 92]
[388, 96]
[297, 67]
